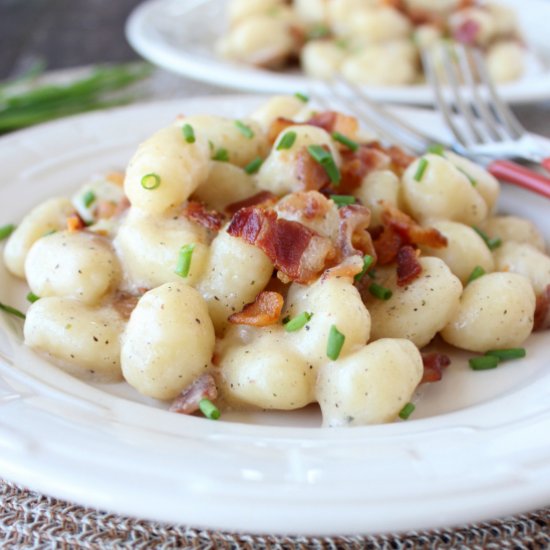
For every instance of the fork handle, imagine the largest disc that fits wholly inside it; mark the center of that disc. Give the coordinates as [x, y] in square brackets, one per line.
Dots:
[546, 164]
[511, 172]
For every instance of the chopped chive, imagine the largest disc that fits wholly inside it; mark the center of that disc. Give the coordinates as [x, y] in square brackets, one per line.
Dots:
[302, 97]
[344, 140]
[6, 231]
[491, 243]
[221, 155]
[245, 130]
[367, 262]
[380, 292]
[298, 322]
[406, 411]
[88, 198]
[188, 133]
[50, 232]
[335, 342]
[12, 311]
[436, 149]
[184, 260]
[32, 297]
[484, 363]
[505, 354]
[476, 273]
[318, 31]
[324, 158]
[343, 200]
[253, 166]
[422, 165]
[150, 181]
[473, 181]
[209, 409]
[286, 141]
[372, 273]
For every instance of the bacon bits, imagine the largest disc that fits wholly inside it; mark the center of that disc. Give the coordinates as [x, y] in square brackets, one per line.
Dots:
[263, 198]
[188, 401]
[434, 363]
[542, 310]
[75, 223]
[408, 266]
[356, 165]
[197, 212]
[353, 237]
[309, 172]
[264, 311]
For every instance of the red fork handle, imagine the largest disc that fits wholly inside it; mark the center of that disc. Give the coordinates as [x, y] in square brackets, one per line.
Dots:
[546, 164]
[511, 172]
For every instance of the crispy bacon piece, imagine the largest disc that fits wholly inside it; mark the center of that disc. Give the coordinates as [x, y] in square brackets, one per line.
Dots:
[353, 237]
[408, 266]
[347, 269]
[277, 126]
[387, 243]
[434, 363]
[357, 164]
[75, 223]
[309, 172]
[115, 177]
[295, 250]
[188, 401]
[332, 121]
[197, 212]
[263, 198]
[304, 206]
[265, 310]
[542, 310]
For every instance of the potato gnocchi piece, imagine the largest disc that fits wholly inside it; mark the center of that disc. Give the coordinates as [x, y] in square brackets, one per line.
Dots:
[441, 191]
[234, 274]
[76, 264]
[416, 311]
[514, 229]
[241, 9]
[168, 342]
[149, 248]
[280, 106]
[165, 170]
[465, 250]
[322, 58]
[526, 260]
[236, 141]
[278, 379]
[371, 386]
[333, 301]
[81, 338]
[278, 173]
[380, 185]
[495, 312]
[49, 216]
[376, 25]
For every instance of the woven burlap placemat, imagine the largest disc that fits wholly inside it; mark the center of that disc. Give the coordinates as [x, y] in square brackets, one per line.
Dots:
[31, 520]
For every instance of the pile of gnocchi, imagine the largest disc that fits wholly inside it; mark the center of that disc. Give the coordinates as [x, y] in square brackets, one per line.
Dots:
[370, 42]
[276, 261]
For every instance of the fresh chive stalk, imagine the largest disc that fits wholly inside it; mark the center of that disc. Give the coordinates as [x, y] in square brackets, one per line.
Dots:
[253, 166]
[472, 180]
[302, 97]
[150, 181]
[380, 292]
[12, 311]
[209, 409]
[298, 322]
[436, 149]
[344, 140]
[245, 130]
[507, 354]
[406, 411]
[422, 165]
[343, 200]
[476, 273]
[286, 141]
[184, 260]
[88, 198]
[485, 362]
[221, 155]
[325, 159]
[32, 297]
[492, 243]
[188, 133]
[367, 262]
[335, 343]
[6, 231]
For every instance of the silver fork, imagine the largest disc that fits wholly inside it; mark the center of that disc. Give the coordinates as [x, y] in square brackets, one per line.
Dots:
[487, 126]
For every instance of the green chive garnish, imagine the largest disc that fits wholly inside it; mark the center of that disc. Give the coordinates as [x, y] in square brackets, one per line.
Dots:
[343, 200]
[184, 260]
[253, 166]
[318, 31]
[221, 155]
[12, 311]
[302, 97]
[422, 165]
[344, 140]
[335, 342]
[436, 149]
[287, 141]
[209, 409]
[406, 411]
[484, 363]
[150, 181]
[245, 130]
[188, 133]
[88, 198]
[491, 243]
[32, 297]
[506, 354]
[324, 158]
[367, 262]
[380, 292]
[476, 273]
[470, 179]
[298, 322]
[6, 231]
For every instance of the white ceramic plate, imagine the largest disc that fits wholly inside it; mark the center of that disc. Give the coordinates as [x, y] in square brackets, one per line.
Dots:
[477, 446]
[180, 36]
